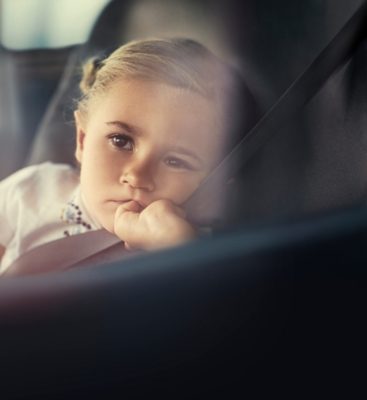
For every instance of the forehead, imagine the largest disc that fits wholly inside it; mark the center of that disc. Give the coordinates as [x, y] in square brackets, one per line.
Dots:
[174, 113]
[131, 95]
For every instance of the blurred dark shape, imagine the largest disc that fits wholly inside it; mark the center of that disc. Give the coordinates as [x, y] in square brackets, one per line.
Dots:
[277, 311]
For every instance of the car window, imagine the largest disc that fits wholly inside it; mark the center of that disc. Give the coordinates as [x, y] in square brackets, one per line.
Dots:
[47, 24]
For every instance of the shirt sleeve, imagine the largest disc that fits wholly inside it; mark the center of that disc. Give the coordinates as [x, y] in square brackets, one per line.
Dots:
[9, 203]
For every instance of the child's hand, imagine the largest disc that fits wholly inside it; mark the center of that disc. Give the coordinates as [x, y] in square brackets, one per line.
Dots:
[159, 225]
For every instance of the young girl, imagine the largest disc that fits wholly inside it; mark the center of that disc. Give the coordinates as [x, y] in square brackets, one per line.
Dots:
[153, 121]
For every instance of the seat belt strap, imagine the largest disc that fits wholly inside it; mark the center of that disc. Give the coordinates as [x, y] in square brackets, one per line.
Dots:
[201, 208]
[64, 253]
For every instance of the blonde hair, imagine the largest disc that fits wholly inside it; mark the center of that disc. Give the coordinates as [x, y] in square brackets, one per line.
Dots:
[180, 62]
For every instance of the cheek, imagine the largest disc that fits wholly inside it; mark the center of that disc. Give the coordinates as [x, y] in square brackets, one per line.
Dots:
[100, 165]
[180, 188]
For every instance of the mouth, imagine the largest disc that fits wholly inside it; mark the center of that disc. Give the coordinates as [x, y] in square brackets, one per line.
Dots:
[130, 204]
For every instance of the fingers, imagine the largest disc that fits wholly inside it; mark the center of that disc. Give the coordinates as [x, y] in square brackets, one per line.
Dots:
[165, 207]
[160, 224]
[126, 218]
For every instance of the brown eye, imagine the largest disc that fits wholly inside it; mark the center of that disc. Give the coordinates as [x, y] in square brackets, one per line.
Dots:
[123, 142]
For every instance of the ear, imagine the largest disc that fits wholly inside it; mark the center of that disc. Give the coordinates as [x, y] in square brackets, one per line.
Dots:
[80, 136]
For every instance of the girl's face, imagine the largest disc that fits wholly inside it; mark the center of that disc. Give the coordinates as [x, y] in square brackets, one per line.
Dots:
[144, 141]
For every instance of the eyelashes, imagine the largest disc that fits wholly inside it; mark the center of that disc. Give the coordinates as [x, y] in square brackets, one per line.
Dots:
[178, 163]
[121, 141]
[124, 142]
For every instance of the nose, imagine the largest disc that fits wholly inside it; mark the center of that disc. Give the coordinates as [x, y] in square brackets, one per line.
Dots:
[138, 175]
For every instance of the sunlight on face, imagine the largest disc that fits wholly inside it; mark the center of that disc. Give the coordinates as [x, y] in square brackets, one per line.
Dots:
[145, 141]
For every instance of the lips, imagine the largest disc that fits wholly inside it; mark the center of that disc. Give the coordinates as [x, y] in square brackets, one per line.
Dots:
[130, 205]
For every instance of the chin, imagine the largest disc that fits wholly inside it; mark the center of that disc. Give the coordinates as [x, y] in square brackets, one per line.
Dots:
[104, 219]
[109, 229]
[108, 224]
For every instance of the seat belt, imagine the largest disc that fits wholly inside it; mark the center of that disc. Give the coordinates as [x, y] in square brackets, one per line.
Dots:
[208, 213]
[68, 252]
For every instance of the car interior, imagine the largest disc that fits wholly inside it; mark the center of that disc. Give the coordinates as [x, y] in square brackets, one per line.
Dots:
[273, 301]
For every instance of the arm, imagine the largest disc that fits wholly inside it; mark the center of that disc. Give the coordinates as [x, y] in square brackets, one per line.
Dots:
[161, 224]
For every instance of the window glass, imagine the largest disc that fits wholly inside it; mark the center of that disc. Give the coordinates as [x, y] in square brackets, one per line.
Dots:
[27, 24]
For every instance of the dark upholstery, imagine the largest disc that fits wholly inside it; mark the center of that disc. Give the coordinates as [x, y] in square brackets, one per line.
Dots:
[316, 161]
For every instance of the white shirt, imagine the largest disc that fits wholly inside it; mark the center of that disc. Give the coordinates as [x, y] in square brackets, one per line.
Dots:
[39, 204]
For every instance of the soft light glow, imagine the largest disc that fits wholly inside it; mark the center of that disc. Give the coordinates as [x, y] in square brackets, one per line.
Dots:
[29, 24]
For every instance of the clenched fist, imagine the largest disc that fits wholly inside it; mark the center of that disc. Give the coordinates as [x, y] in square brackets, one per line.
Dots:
[161, 224]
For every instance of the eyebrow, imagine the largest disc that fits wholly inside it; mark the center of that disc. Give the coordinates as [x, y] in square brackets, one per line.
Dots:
[125, 126]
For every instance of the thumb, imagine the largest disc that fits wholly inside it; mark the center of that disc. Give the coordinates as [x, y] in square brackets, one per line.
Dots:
[126, 216]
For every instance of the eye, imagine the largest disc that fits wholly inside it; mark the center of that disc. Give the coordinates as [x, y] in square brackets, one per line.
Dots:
[121, 141]
[178, 163]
